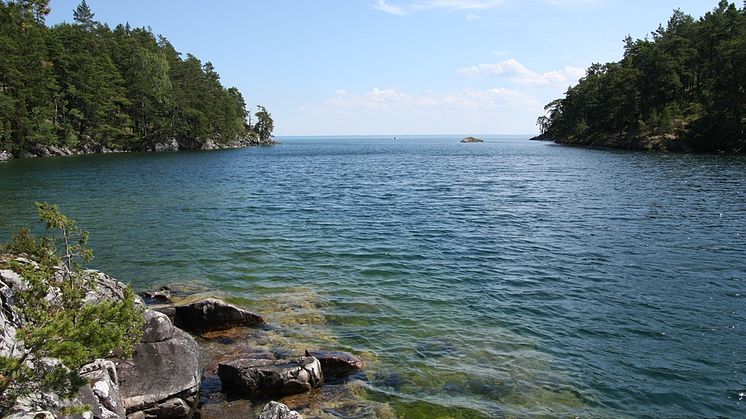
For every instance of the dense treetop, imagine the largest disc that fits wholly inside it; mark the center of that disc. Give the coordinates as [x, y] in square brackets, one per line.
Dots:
[683, 89]
[87, 86]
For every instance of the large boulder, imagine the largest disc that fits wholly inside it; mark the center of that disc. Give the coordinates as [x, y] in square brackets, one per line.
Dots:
[163, 377]
[337, 364]
[5, 156]
[212, 314]
[255, 378]
[275, 410]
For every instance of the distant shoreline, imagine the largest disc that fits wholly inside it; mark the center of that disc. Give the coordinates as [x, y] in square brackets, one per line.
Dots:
[659, 144]
[166, 146]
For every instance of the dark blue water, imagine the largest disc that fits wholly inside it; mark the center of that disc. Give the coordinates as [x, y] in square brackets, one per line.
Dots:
[509, 278]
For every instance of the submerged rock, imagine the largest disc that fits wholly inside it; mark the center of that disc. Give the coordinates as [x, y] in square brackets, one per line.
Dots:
[275, 410]
[337, 364]
[234, 409]
[266, 377]
[212, 314]
[159, 296]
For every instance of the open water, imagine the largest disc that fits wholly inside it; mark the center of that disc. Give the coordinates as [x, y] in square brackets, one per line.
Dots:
[510, 278]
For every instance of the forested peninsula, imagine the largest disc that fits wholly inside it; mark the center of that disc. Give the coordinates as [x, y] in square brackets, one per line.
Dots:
[83, 87]
[683, 89]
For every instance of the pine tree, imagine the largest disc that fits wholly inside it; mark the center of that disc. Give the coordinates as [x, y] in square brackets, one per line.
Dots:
[83, 15]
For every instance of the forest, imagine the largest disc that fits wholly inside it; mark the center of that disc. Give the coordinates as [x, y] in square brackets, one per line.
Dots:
[681, 89]
[84, 86]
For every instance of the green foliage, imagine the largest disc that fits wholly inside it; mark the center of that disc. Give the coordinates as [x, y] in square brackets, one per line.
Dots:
[687, 82]
[264, 124]
[22, 242]
[85, 85]
[56, 321]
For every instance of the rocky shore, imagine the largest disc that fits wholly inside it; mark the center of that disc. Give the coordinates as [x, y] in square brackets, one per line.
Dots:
[642, 142]
[172, 144]
[194, 360]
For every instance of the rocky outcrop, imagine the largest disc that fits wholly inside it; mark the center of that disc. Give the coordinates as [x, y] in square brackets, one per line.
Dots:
[212, 314]
[540, 137]
[255, 378]
[166, 145]
[472, 140]
[5, 156]
[9, 319]
[163, 377]
[104, 288]
[337, 364]
[275, 410]
[102, 391]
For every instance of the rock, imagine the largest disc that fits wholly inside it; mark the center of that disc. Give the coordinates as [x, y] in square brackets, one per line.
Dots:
[53, 150]
[540, 137]
[212, 314]
[160, 296]
[227, 409]
[472, 140]
[102, 391]
[158, 327]
[5, 156]
[275, 410]
[42, 414]
[159, 373]
[9, 320]
[13, 280]
[209, 145]
[166, 145]
[171, 408]
[266, 377]
[103, 288]
[337, 364]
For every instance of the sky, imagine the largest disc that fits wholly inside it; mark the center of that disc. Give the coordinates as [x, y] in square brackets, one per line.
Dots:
[396, 67]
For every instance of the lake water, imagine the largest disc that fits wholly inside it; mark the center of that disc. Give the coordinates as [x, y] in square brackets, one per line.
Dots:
[509, 278]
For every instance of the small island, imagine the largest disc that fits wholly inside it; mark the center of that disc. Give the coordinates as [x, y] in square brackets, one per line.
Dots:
[472, 140]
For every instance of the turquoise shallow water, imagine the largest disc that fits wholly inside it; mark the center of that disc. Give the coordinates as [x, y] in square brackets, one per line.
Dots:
[509, 278]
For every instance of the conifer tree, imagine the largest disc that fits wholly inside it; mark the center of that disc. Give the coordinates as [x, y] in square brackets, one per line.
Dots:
[83, 15]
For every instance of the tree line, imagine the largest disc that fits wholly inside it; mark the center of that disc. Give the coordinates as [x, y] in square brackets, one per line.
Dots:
[86, 86]
[684, 88]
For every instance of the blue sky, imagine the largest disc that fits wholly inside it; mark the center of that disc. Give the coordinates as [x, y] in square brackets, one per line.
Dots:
[396, 67]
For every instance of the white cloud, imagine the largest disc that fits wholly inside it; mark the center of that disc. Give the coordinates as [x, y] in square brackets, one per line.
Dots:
[409, 7]
[520, 74]
[393, 111]
[393, 100]
[472, 16]
[388, 8]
